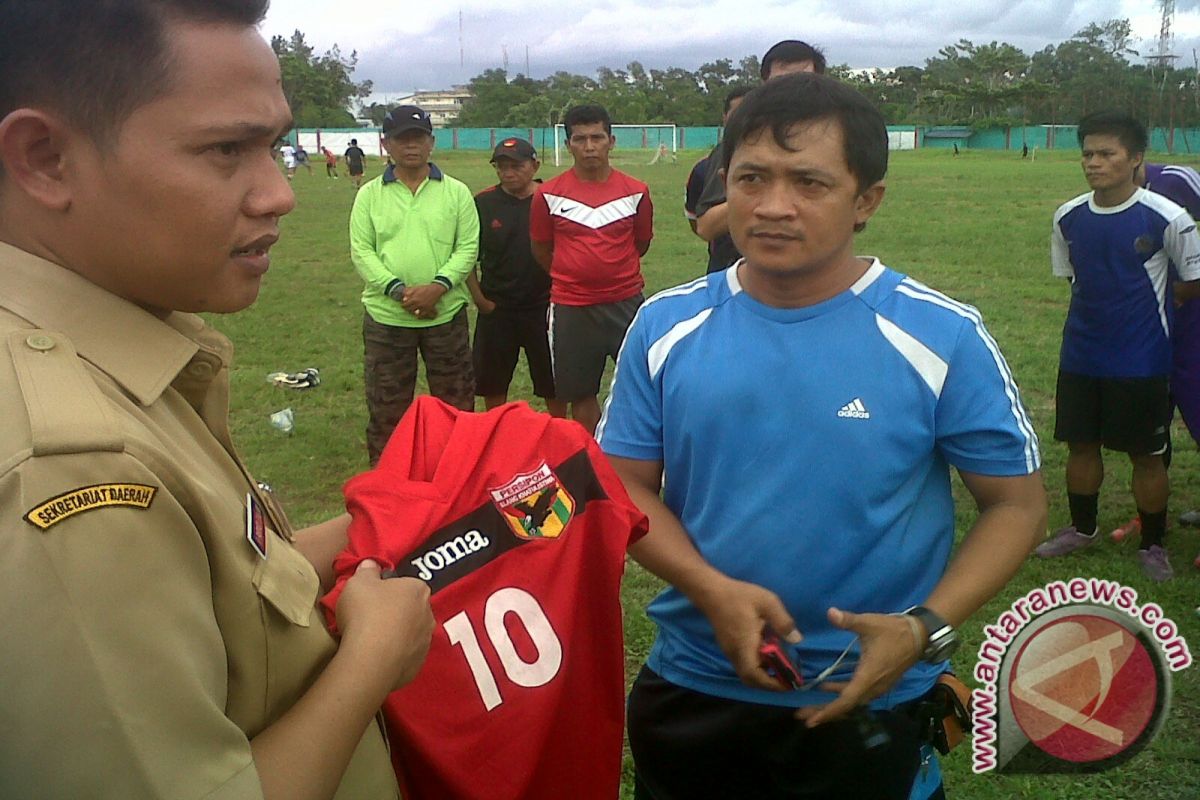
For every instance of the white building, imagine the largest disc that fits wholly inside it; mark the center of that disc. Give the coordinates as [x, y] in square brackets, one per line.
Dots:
[442, 105]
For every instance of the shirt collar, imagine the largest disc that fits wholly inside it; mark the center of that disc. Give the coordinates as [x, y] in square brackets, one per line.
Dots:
[389, 174]
[141, 352]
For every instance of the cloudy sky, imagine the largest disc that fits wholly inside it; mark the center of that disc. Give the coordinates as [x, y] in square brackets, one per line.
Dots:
[407, 44]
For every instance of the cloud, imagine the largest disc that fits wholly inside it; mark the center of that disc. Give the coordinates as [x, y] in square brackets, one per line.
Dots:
[418, 46]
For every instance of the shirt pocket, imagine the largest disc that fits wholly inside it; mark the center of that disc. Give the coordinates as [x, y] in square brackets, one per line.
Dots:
[287, 582]
[443, 230]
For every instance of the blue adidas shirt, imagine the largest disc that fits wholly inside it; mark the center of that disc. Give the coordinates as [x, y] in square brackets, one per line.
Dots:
[1119, 262]
[807, 450]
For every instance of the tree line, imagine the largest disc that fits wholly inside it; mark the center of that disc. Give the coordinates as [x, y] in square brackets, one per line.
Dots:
[968, 84]
[974, 85]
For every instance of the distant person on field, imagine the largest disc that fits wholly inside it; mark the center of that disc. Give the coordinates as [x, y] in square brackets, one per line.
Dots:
[302, 158]
[331, 170]
[783, 58]
[589, 228]
[721, 251]
[414, 237]
[512, 291]
[1116, 245]
[289, 159]
[355, 162]
[1024, 151]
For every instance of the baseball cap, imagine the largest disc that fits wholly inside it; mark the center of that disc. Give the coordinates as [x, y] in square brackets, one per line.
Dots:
[514, 148]
[406, 118]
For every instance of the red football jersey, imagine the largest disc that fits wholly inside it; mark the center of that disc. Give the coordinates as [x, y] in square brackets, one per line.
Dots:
[594, 227]
[519, 526]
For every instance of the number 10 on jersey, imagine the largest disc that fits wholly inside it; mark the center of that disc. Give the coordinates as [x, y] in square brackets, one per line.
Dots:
[529, 674]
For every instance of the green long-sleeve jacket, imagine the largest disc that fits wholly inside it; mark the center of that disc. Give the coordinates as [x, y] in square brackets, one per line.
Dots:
[396, 233]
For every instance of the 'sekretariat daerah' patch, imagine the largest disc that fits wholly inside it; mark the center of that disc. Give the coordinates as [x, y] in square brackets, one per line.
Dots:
[87, 498]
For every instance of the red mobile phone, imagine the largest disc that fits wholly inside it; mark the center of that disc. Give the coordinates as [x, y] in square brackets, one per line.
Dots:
[777, 661]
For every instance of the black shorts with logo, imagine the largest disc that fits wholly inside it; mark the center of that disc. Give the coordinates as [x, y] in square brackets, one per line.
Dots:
[582, 339]
[1131, 415]
[499, 338]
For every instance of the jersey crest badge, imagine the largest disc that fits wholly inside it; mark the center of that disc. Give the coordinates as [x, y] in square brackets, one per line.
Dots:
[535, 504]
[1144, 245]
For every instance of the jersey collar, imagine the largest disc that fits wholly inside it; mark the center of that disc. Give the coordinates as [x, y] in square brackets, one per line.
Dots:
[389, 174]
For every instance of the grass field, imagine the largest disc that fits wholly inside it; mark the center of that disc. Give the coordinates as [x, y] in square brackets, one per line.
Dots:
[975, 226]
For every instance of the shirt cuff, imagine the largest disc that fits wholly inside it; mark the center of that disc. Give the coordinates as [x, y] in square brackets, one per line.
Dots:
[443, 281]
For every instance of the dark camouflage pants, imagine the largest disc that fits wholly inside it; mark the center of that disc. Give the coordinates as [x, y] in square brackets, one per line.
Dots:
[390, 371]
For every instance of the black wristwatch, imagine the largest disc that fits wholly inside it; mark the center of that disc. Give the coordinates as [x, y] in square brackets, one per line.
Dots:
[942, 639]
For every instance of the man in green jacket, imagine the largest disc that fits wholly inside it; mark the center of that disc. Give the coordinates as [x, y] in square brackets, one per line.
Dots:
[414, 237]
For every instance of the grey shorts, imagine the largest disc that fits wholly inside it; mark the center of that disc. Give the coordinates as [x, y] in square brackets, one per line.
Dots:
[582, 338]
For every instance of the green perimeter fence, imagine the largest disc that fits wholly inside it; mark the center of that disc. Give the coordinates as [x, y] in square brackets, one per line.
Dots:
[902, 137]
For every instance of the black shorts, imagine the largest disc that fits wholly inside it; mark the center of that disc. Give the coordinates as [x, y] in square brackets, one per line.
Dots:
[355, 169]
[691, 746]
[499, 338]
[1130, 415]
[582, 338]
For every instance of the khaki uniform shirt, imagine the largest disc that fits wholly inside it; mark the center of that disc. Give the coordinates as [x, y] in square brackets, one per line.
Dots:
[143, 639]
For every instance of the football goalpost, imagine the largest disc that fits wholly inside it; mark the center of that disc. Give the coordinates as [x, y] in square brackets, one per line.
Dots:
[648, 139]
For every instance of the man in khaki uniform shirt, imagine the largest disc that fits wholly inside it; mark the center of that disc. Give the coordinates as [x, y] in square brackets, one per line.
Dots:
[159, 636]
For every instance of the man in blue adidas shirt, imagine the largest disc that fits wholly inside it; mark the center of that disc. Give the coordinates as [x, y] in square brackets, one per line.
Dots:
[805, 406]
[1116, 244]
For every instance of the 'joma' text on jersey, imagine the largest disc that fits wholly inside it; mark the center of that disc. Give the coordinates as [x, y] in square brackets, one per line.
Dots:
[446, 554]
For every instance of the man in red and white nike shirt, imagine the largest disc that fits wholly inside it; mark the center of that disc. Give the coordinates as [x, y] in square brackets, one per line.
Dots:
[589, 228]
[519, 526]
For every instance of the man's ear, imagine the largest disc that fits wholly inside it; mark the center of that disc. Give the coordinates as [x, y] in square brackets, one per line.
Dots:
[867, 203]
[33, 146]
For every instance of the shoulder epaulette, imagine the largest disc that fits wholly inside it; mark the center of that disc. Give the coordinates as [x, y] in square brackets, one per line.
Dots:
[67, 412]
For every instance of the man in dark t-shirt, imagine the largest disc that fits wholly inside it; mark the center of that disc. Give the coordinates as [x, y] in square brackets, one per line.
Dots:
[355, 161]
[512, 291]
[721, 250]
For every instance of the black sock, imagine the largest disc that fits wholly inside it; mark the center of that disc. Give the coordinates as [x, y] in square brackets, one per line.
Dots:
[1083, 511]
[1154, 528]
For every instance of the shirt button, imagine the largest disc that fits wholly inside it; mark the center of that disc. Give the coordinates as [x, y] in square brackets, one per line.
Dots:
[200, 369]
[40, 341]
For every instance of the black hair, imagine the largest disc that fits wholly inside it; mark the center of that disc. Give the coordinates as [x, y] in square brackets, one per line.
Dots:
[1130, 132]
[780, 104]
[96, 61]
[792, 51]
[354, 142]
[735, 93]
[588, 114]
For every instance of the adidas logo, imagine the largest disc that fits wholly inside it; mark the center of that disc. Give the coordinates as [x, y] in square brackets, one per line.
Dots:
[854, 410]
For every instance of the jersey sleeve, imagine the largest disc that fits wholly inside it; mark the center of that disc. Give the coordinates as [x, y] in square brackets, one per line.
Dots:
[1060, 253]
[631, 426]
[363, 242]
[632, 517]
[714, 185]
[1183, 246]
[691, 192]
[112, 646]
[643, 223]
[466, 239]
[981, 424]
[541, 227]
[1180, 184]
